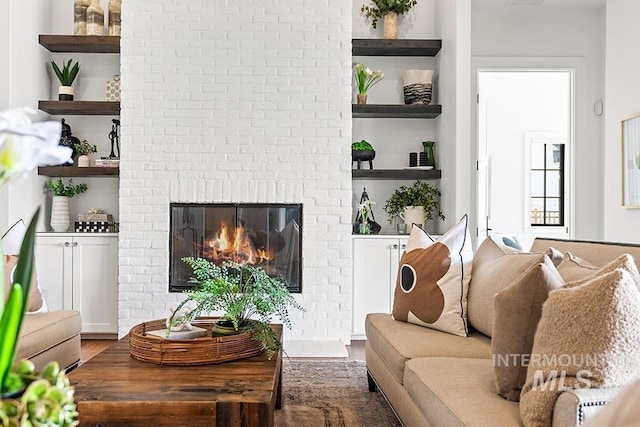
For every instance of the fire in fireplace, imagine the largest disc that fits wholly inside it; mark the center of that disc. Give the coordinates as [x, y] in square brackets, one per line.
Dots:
[265, 235]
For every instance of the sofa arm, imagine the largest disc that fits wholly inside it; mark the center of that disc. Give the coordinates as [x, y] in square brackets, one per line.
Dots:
[577, 406]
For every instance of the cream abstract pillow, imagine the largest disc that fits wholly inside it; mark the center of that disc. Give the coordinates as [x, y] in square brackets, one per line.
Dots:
[433, 280]
[494, 268]
[518, 308]
[587, 337]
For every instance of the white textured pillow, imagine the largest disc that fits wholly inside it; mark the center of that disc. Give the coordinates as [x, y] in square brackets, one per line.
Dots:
[433, 280]
[587, 337]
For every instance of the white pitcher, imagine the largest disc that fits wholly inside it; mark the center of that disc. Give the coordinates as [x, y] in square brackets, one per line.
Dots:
[413, 215]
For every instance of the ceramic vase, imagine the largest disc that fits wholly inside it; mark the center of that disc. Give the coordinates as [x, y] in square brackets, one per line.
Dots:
[80, 17]
[114, 17]
[65, 93]
[95, 19]
[413, 215]
[418, 86]
[84, 161]
[390, 26]
[60, 220]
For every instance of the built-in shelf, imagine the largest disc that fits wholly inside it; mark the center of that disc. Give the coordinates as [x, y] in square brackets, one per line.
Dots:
[74, 171]
[395, 111]
[398, 47]
[80, 108]
[85, 44]
[395, 174]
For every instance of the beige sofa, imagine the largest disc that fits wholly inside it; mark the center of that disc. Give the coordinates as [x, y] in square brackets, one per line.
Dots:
[432, 378]
[51, 336]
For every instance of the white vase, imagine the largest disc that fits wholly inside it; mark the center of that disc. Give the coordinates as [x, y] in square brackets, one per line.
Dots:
[413, 215]
[84, 161]
[418, 86]
[60, 220]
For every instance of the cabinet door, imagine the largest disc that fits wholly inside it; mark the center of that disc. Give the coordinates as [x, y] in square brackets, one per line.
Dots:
[399, 246]
[54, 266]
[373, 259]
[95, 282]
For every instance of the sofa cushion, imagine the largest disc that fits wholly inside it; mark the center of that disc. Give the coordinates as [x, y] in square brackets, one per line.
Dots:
[587, 337]
[458, 392]
[573, 268]
[494, 268]
[42, 331]
[623, 411]
[431, 289]
[396, 342]
[518, 308]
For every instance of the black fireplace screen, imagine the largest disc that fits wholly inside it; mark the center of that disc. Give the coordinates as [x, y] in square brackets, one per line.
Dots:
[265, 235]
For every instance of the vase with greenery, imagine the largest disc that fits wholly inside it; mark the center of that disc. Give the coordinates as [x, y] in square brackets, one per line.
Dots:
[389, 11]
[365, 79]
[246, 295]
[362, 151]
[420, 194]
[83, 149]
[60, 219]
[66, 76]
[45, 397]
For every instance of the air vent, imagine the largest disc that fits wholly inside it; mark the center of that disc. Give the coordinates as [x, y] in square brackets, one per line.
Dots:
[525, 2]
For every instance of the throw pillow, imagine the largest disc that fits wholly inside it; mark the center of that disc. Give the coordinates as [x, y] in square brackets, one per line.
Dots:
[573, 268]
[624, 262]
[518, 308]
[11, 242]
[494, 268]
[587, 337]
[432, 284]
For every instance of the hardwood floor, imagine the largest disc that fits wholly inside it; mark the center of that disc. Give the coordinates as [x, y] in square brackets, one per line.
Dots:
[89, 348]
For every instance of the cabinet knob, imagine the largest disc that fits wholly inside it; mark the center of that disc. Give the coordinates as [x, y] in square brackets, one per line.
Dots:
[403, 246]
[75, 244]
[67, 244]
[394, 246]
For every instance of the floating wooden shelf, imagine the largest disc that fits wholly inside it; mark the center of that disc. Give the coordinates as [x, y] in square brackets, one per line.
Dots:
[85, 44]
[74, 171]
[395, 174]
[406, 47]
[80, 108]
[395, 111]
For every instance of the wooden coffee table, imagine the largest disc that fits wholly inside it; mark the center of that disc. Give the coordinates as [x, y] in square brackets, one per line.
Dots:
[114, 389]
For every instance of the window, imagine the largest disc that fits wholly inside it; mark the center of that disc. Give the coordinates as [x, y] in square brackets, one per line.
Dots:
[547, 184]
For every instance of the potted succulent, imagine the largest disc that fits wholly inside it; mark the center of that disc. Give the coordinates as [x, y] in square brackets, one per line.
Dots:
[362, 151]
[388, 10]
[66, 76]
[365, 79]
[62, 192]
[84, 149]
[246, 295]
[414, 204]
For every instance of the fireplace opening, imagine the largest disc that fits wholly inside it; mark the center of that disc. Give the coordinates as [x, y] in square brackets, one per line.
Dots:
[264, 235]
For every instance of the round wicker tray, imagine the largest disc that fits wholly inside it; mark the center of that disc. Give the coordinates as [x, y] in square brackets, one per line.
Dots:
[195, 351]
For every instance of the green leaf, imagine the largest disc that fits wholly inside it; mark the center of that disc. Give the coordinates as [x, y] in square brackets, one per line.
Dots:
[10, 326]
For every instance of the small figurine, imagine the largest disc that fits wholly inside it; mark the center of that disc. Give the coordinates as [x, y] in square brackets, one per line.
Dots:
[180, 322]
[114, 137]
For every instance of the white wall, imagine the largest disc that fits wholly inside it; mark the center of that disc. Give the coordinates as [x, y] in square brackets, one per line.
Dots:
[538, 33]
[247, 104]
[623, 99]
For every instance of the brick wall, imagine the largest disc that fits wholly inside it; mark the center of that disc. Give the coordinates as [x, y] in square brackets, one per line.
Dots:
[237, 101]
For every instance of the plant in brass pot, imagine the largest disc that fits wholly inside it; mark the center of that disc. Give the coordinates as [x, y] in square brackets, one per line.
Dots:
[246, 295]
[414, 204]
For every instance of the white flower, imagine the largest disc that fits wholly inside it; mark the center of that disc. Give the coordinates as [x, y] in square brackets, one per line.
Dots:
[25, 145]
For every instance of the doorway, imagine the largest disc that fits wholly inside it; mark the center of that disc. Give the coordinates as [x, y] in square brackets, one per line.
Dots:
[525, 143]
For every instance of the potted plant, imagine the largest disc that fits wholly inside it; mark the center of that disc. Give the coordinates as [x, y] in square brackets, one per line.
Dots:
[362, 151]
[60, 220]
[388, 10]
[84, 149]
[414, 204]
[365, 79]
[246, 295]
[66, 76]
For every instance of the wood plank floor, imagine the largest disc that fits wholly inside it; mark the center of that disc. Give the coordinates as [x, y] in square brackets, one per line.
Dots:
[90, 347]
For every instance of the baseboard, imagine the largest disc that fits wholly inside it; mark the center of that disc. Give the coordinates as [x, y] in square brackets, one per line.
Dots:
[327, 348]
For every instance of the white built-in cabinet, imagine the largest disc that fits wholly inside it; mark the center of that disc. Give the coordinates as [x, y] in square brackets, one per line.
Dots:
[80, 272]
[375, 269]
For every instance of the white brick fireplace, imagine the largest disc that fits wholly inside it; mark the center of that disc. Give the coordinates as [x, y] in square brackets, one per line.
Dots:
[237, 101]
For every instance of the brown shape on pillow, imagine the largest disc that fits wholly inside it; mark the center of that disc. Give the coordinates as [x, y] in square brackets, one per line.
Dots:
[417, 290]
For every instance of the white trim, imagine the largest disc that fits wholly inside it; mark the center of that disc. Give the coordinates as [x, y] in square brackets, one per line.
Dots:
[578, 132]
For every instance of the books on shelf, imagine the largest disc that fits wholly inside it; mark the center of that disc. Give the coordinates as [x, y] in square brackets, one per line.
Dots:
[106, 162]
